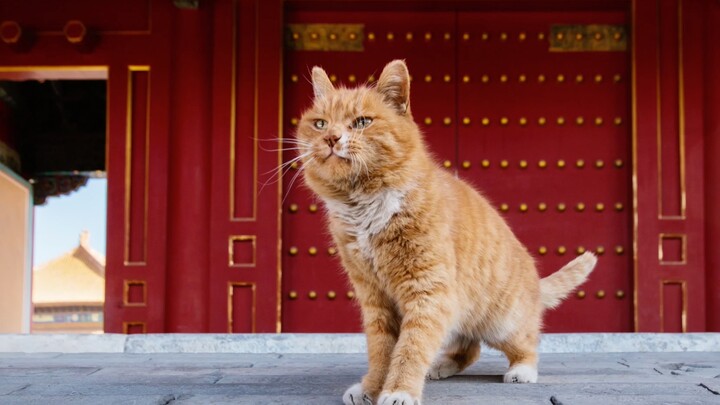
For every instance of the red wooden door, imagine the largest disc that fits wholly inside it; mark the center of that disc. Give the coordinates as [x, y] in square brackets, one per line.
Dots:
[316, 295]
[543, 134]
[668, 88]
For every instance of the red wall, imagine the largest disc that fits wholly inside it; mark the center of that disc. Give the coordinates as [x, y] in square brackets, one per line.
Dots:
[712, 162]
[193, 117]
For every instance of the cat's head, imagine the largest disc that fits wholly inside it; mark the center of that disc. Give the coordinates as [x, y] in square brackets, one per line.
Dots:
[358, 137]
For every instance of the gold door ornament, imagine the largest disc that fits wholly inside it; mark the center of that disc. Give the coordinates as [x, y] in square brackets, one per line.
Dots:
[325, 37]
[588, 38]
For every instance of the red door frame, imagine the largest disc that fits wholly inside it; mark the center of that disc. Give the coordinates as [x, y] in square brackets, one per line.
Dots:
[712, 163]
[245, 271]
[668, 166]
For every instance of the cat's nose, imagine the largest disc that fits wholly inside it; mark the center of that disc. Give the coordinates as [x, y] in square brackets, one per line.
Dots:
[331, 139]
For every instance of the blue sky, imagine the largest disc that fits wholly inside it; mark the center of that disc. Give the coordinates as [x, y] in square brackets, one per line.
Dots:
[59, 222]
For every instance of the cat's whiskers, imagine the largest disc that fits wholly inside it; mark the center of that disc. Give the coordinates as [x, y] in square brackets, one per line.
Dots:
[362, 163]
[360, 157]
[292, 181]
[278, 139]
[295, 160]
[293, 142]
[355, 158]
[282, 170]
[300, 147]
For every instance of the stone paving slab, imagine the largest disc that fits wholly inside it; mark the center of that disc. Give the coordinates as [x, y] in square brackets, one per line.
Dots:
[237, 378]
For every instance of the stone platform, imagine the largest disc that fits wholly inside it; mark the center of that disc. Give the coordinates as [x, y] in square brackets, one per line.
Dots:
[316, 369]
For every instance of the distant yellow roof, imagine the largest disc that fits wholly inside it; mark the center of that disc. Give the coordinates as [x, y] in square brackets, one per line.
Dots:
[75, 277]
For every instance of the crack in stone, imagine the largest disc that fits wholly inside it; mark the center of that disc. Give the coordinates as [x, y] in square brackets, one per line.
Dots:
[218, 376]
[95, 371]
[623, 364]
[709, 389]
[555, 401]
[169, 399]
[658, 371]
[18, 390]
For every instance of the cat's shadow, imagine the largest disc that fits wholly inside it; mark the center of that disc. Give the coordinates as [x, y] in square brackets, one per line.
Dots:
[474, 378]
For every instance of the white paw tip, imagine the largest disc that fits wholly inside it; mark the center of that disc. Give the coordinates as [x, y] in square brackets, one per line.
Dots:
[521, 374]
[398, 398]
[356, 395]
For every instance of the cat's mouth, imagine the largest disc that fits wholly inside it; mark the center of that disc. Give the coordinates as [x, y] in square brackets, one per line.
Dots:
[332, 152]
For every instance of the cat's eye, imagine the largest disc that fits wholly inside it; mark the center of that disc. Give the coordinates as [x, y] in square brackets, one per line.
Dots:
[362, 122]
[320, 124]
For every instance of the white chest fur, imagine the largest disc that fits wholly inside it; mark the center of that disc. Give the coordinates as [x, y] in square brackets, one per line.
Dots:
[367, 215]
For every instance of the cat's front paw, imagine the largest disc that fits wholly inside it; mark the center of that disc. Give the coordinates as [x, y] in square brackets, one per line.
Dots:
[356, 395]
[398, 398]
[443, 368]
[521, 374]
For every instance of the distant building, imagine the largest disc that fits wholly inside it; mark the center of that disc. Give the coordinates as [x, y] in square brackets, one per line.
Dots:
[69, 292]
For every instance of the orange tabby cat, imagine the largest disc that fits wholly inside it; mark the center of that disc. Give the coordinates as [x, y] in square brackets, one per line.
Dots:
[435, 268]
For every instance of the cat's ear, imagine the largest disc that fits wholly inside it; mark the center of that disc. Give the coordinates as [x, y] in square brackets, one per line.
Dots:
[321, 83]
[394, 85]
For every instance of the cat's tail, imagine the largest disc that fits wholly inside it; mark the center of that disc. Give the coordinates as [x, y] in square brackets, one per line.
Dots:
[558, 285]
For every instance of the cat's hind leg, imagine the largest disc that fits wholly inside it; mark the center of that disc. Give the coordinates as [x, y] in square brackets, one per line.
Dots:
[457, 355]
[521, 351]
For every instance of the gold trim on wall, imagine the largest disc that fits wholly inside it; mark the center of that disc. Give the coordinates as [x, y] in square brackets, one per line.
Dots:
[278, 253]
[684, 311]
[681, 113]
[681, 122]
[231, 250]
[683, 251]
[127, 325]
[633, 67]
[126, 293]
[233, 117]
[253, 313]
[70, 72]
[128, 166]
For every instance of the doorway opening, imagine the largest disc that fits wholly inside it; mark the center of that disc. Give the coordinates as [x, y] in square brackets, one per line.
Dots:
[55, 123]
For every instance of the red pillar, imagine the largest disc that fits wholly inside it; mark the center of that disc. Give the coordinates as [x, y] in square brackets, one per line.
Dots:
[189, 176]
[712, 166]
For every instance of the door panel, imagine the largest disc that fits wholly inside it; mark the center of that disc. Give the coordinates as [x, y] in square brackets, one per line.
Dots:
[244, 219]
[551, 118]
[315, 290]
[487, 92]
